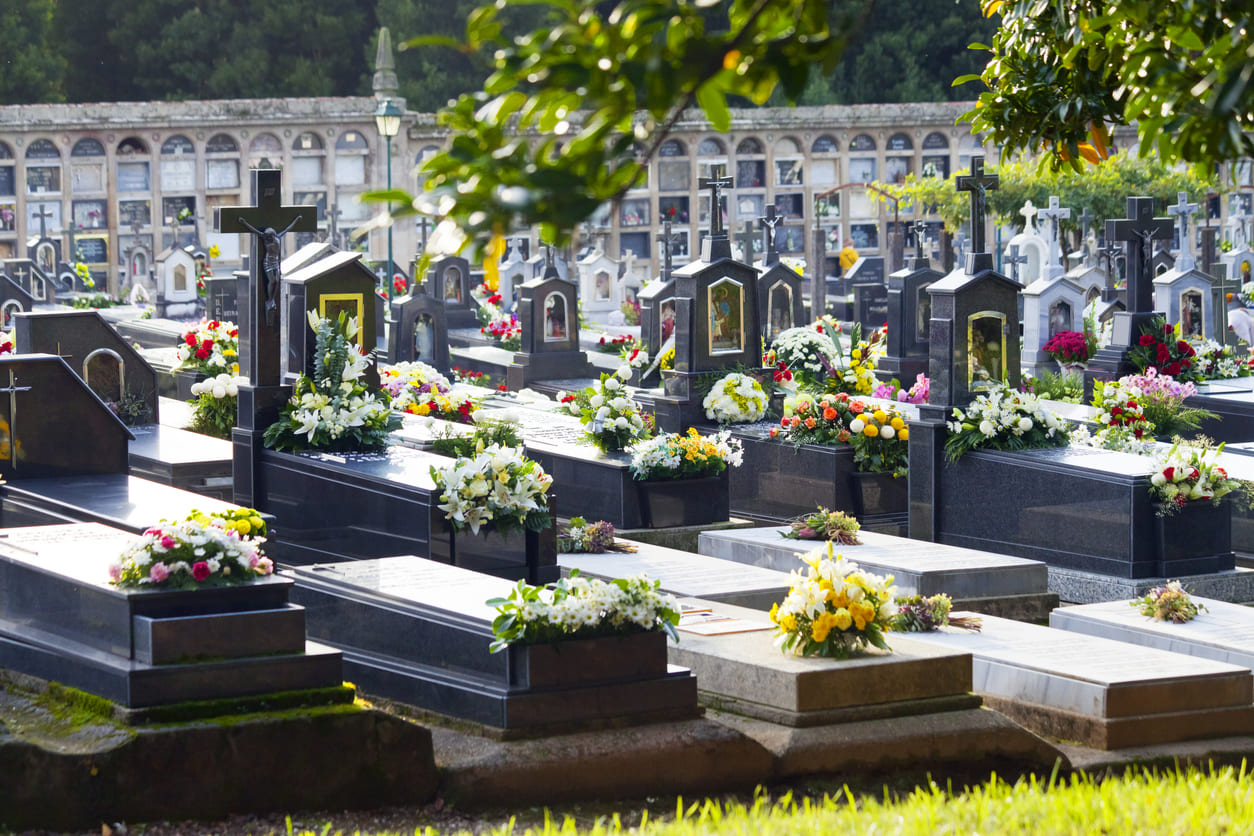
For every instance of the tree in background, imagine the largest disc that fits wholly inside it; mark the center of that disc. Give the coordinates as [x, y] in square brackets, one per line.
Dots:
[30, 65]
[1060, 73]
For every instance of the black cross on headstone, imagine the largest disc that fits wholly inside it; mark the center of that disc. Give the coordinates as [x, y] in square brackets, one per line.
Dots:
[1014, 259]
[768, 224]
[423, 226]
[1085, 220]
[979, 185]
[667, 239]
[268, 221]
[920, 227]
[1140, 229]
[12, 391]
[716, 184]
[550, 265]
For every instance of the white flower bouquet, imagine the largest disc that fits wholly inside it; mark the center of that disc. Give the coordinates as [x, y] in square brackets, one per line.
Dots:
[498, 489]
[334, 410]
[807, 353]
[611, 418]
[1004, 419]
[691, 456]
[582, 608]
[203, 550]
[735, 399]
[1190, 472]
[215, 407]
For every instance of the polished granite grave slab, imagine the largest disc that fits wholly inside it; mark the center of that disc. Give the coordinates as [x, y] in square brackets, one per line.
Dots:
[417, 632]
[1073, 507]
[1077, 587]
[917, 567]
[745, 673]
[1223, 632]
[1105, 694]
[61, 620]
[183, 459]
[687, 575]
[1232, 401]
[118, 500]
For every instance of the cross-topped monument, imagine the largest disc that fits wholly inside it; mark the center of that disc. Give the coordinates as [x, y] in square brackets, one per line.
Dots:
[920, 227]
[960, 245]
[1014, 259]
[747, 237]
[979, 185]
[1085, 220]
[261, 356]
[1029, 217]
[719, 243]
[44, 214]
[1140, 230]
[11, 390]
[768, 223]
[1242, 215]
[1054, 213]
[1183, 210]
[667, 239]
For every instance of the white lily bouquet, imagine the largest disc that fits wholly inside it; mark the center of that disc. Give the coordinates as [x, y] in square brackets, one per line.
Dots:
[334, 410]
[498, 489]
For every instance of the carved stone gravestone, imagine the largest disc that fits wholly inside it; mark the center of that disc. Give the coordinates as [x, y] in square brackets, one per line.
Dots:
[32, 279]
[221, 299]
[548, 317]
[870, 293]
[109, 365]
[331, 285]
[1050, 305]
[417, 330]
[449, 279]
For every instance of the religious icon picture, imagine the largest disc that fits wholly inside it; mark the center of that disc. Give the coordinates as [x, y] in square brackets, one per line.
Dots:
[726, 317]
[453, 285]
[923, 314]
[45, 257]
[424, 338]
[666, 317]
[1191, 313]
[331, 304]
[555, 318]
[986, 350]
[602, 289]
[7, 310]
[1059, 317]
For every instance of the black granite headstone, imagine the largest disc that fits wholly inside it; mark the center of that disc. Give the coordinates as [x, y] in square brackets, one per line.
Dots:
[221, 300]
[909, 320]
[418, 330]
[331, 285]
[780, 301]
[548, 316]
[14, 299]
[449, 279]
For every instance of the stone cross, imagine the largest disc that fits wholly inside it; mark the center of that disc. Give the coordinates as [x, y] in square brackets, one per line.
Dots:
[1014, 259]
[1054, 213]
[1182, 211]
[1110, 252]
[1029, 213]
[12, 391]
[1085, 220]
[1140, 229]
[261, 357]
[423, 225]
[960, 248]
[1241, 216]
[667, 239]
[747, 238]
[716, 184]
[978, 184]
[44, 214]
[920, 227]
[769, 223]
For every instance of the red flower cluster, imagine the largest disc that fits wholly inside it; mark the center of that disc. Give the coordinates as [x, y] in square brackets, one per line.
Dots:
[495, 299]
[1068, 346]
[1156, 349]
[399, 286]
[782, 374]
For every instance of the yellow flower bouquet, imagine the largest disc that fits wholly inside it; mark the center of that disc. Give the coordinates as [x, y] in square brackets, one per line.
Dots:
[834, 609]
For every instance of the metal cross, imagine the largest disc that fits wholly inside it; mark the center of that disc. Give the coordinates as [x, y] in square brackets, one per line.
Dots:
[667, 239]
[920, 227]
[716, 184]
[1085, 220]
[1182, 211]
[1014, 259]
[43, 214]
[978, 184]
[1054, 213]
[769, 223]
[1140, 227]
[13, 389]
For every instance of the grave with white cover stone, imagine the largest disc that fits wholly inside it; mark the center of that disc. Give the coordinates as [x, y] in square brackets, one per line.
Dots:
[599, 288]
[1030, 246]
[1102, 693]
[417, 632]
[909, 316]
[1050, 305]
[983, 581]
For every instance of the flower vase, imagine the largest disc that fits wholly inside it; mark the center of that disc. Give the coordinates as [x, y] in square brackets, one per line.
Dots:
[1196, 539]
[673, 502]
[879, 493]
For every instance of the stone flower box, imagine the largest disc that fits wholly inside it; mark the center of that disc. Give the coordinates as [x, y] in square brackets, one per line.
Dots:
[582, 662]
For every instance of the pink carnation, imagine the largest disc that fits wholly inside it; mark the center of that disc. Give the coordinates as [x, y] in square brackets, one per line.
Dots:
[115, 572]
[200, 570]
[159, 572]
[265, 566]
[168, 542]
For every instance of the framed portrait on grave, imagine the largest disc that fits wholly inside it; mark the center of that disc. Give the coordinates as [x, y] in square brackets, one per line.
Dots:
[986, 350]
[132, 212]
[46, 258]
[222, 174]
[922, 313]
[866, 236]
[454, 285]
[727, 305]
[602, 286]
[1059, 317]
[90, 214]
[330, 305]
[8, 216]
[10, 307]
[556, 318]
[633, 212]
[172, 207]
[1191, 313]
[666, 317]
[94, 249]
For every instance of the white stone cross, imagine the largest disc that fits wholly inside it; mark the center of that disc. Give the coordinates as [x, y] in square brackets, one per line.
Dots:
[1182, 211]
[1054, 214]
[1028, 212]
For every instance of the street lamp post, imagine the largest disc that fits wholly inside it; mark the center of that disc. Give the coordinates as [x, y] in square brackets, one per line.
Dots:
[388, 120]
